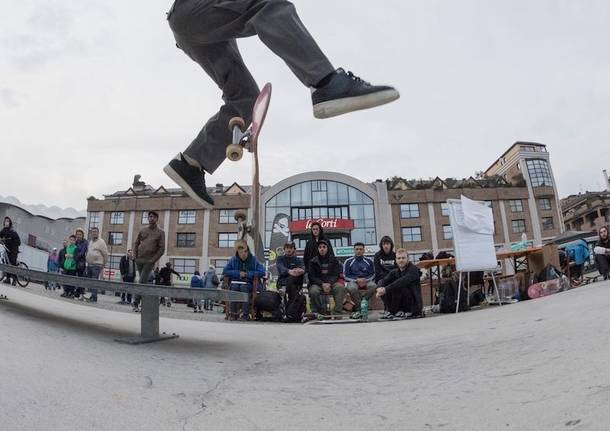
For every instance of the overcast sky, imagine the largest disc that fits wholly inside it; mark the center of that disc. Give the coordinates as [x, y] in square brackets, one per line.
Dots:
[93, 92]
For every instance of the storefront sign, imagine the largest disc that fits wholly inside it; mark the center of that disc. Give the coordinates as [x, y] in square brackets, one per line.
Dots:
[326, 223]
[349, 251]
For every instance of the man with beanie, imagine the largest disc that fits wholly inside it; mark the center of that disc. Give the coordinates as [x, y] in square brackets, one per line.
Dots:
[324, 270]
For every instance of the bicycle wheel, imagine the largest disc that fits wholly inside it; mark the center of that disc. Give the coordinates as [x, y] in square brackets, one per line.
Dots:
[22, 280]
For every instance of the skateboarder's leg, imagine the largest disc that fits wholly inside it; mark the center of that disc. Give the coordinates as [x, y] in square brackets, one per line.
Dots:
[223, 63]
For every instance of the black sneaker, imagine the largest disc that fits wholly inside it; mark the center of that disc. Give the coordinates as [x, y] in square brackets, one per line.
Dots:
[346, 93]
[190, 178]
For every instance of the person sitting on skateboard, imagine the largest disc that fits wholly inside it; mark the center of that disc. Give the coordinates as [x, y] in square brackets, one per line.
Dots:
[602, 253]
[206, 30]
[291, 271]
[324, 270]
[359, 273]
[400, 290]
[242, 269]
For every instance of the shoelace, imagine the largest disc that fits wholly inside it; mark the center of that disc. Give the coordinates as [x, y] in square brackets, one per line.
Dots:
[356, 78]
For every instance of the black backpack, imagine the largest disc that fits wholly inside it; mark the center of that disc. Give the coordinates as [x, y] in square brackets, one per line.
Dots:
[296, 308]
[448, 298]
[270, 302]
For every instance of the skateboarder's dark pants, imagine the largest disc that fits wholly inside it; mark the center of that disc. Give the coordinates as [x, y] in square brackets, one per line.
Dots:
[126, 297]
[315, 295]
[144, 269]
[206, 31]
[603, 265]
[12, 258]
[407, 299]
[293, 286]
[69, 290]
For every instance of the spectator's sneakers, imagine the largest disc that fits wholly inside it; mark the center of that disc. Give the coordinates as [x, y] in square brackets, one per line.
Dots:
[345, 93]
[400, 315]
[190, 178]
[387, 316]
[415, 316]
[356, 315]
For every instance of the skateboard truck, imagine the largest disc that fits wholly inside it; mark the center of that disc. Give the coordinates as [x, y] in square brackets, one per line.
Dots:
[243, 228]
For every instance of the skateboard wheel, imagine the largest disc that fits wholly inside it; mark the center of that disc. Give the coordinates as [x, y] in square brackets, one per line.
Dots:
[237, 121]
[240, 215]
[234, 152]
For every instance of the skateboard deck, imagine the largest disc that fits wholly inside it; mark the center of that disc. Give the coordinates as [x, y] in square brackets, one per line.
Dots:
[329, 319]
[546, 288]
[247, 138]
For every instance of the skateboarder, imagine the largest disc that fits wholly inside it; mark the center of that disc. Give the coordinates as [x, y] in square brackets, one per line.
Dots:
[206, 30]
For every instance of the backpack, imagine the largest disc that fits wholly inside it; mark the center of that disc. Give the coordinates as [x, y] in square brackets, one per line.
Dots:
[270, 302]
[448, 298]
[296, 308]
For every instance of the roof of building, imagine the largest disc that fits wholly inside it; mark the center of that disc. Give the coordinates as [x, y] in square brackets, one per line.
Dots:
[398, 183]
[536, 144]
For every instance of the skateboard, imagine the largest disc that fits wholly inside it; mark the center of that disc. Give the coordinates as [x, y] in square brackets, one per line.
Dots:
[329, 319]
[546, 288]
[247, 138]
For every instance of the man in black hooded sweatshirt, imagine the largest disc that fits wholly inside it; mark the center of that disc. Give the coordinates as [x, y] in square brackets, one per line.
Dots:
[11, 241]
[401, 289]
[311, 248]
[385, 259]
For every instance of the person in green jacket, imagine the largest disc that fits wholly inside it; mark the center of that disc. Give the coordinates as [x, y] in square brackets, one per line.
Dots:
[68, 264]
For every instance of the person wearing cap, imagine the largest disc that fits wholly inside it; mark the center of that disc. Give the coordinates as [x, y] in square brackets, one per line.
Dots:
[148, 249]
[242, 269]
[324, 270]
[290, 270]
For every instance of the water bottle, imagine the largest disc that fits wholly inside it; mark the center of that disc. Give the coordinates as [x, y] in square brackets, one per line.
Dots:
[364, 309]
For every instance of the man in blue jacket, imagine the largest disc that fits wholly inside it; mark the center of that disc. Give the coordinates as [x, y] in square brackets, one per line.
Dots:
[242, 269]
[359, 273]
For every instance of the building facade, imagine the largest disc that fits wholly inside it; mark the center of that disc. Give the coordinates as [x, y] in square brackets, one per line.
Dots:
[412, 212]
[586, 211]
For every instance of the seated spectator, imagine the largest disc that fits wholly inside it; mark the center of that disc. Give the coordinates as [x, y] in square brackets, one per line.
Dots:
[242, 269]
[359, 272]
[210, 281]
[578, 252]
[400, 290]
[324, 270]
[602, 253]
[291, 270]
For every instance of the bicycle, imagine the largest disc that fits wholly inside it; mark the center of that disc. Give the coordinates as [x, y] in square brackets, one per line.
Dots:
[22, 281]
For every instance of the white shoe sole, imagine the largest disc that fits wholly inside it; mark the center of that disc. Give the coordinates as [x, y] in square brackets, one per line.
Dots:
[332, 108]
[169, 171]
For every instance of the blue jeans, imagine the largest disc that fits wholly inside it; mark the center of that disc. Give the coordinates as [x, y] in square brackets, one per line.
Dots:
[94, 272]
[245, 288]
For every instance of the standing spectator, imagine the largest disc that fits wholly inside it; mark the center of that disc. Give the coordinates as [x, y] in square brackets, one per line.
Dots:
[385, 258]
[210, 281]
[324, 270]
[290, 268]
[67, 263]
[197, 283]
[311, 248]
[97, 258]
[127, 266]
[60, 258]
[52, 267]
[81, 259]
[148, 249]
[165, 279]
[11, 241]
[242, 269]
[400, 290]
[602, 253]
[359, 272]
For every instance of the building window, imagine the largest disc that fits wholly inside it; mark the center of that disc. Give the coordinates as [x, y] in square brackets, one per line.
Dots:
[409, 211]
[544, 203]
[227, 240]
[94, 220]
[144, 217]
[445, 209]
[185, 266]
[518, 226]
[186, 217]
[411, 234]
[547, 223]
[114, 262]
[115, 238]
[185, 239]
[226, 216]
[414, 257]
[117, 217]
[219, 264]
[516, 205]
[539, 172]
[447, 232]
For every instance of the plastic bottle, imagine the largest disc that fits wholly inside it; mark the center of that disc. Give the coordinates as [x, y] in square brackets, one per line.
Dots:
[364, 309]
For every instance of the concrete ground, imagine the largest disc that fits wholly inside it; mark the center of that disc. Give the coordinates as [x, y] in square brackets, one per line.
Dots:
[535, 365]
